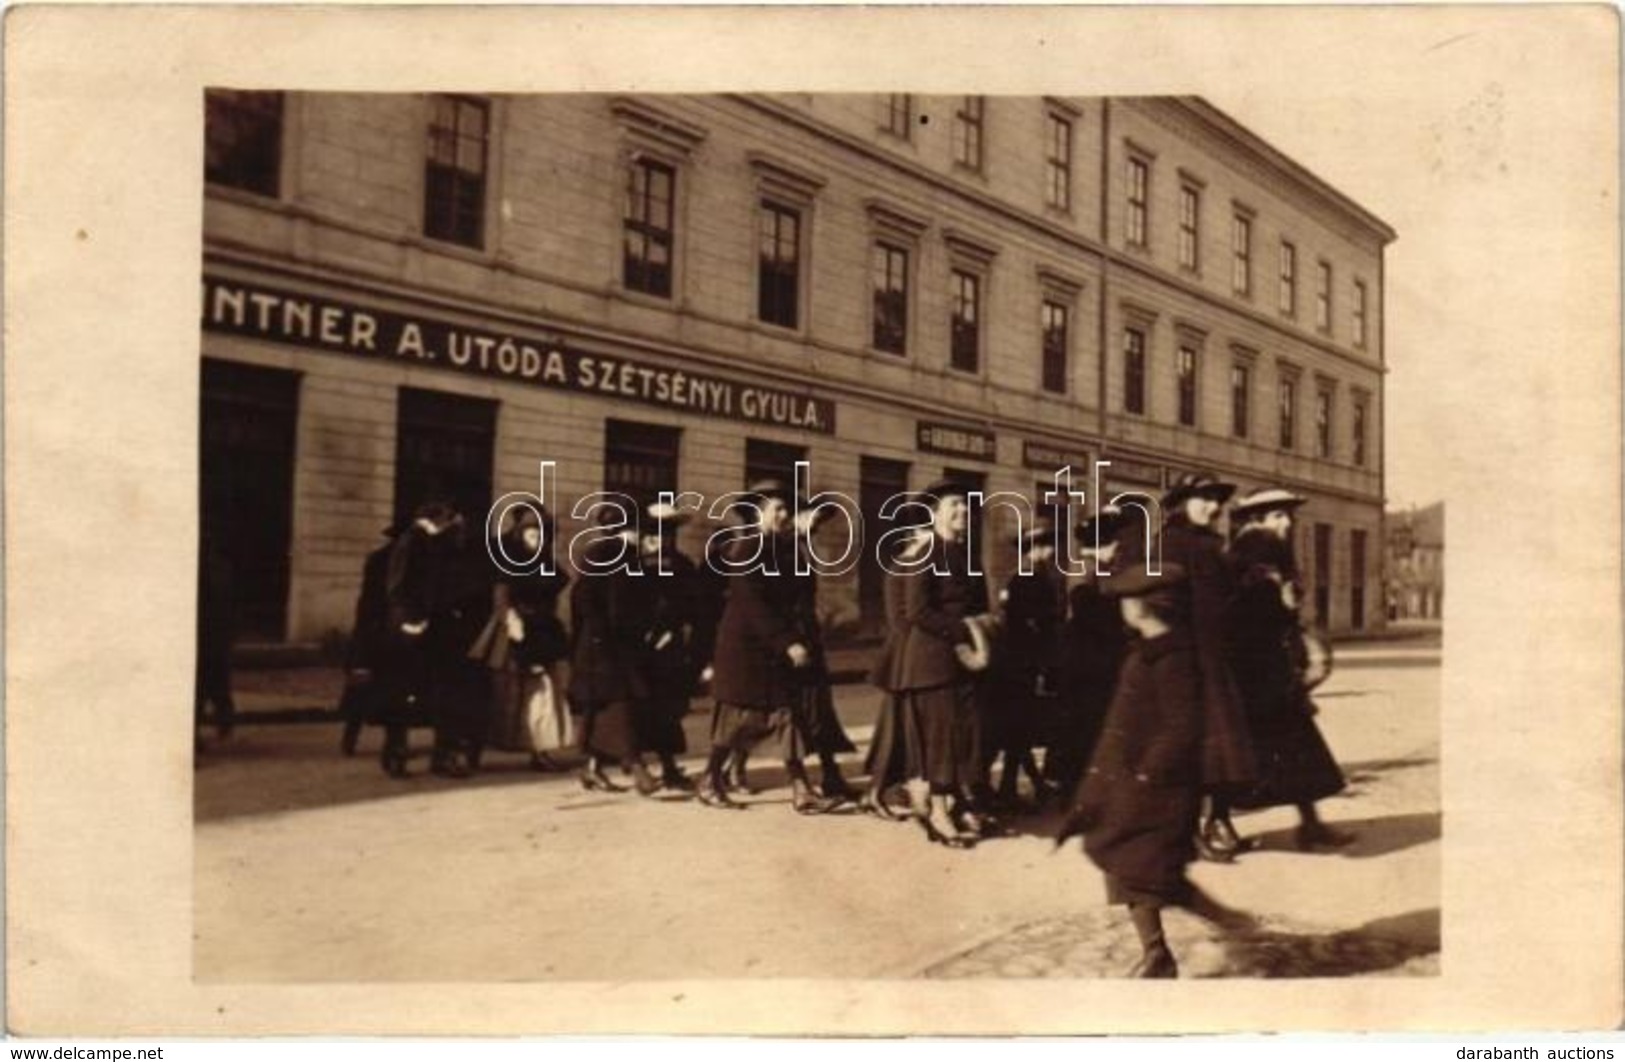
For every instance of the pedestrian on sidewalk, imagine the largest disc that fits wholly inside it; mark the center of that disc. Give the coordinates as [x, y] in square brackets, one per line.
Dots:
[460, 685]
[760, 648]
[1174, 726]
[406, 672]
[943, 653]
[888, 761]
[611, 612]
[361, 702]
[676, 607]
[1026, 680]
[524, 641]
[1268, 654]
[826, 738]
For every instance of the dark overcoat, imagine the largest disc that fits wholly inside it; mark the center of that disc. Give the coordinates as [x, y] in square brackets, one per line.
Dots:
[760, 622]
[935, 607]
[610, 615]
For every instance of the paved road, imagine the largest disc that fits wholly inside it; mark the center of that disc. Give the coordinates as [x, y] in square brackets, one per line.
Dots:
[310, 867]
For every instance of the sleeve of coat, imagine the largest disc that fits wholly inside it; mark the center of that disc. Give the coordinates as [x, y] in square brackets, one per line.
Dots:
[921, 609]
[404, 603]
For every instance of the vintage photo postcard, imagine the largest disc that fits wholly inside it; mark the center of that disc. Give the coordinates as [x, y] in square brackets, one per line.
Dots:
[812, 521]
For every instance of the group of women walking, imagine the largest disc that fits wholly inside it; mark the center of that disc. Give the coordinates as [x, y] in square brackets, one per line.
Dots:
[1172, 677]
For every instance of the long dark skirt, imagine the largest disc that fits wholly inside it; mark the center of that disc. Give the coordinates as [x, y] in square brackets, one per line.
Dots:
[820, 727]
[942, 732]
[460, 696]
[1139, 802]
[887, 762]
[1295, 766]
[660, 725]
[739, 728]
[609, 730]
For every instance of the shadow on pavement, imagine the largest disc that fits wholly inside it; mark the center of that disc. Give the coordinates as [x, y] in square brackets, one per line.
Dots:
[1373, 837]
[1376, 947]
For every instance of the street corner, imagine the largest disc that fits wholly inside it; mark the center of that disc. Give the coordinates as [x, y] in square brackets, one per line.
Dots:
[1102, 944]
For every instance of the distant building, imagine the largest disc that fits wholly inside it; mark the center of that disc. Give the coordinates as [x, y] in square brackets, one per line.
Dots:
[407, 295]
[1416, 563]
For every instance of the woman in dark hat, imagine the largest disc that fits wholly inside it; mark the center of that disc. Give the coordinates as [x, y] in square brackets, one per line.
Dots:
[675, 613]
[1173, 726]
[369, 634]
[1266, 650]
[943, 604]
[1027, 682]
[524, 640]
[611, 612]
[760, 650]
[407, 670]
[1093, 642]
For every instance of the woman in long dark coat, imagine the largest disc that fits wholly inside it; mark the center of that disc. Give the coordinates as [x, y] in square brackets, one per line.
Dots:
[524, 640]
[1173, 728]
[610, 612]
[941, 600]
[1265, 645]
[826, 738]
[676, 608]
[760, 650]
[1028, 673]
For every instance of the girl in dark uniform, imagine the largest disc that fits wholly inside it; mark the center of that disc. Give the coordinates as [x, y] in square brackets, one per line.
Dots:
[1174, 725]
[610, 613]
[941, 600]
[1028, 673]
[675, 613]
[1265, 644]
[820, 726]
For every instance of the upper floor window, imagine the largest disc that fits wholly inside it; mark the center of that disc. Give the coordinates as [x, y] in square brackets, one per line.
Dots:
[1055, 318]
[1359, 313]
[651, 188]
[1289, 279]
[1359, 430]
[1133, 370]
[1187, 386]
[1240, 394]
[1323, 297]
[778, 285]
[242, 140]
[968, 132]
[1190, 233]
[1058, 162]
[899, 116]
[966, 353]
[1139, 188]
[454, 176]
[1241, 254]
[1288, 395]
[1323, 423]
[890, 285]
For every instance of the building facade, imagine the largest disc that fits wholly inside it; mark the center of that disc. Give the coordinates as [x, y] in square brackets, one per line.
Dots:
[1416, 563]
[415, 294]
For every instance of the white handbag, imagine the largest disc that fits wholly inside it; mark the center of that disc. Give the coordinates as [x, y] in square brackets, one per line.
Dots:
[548, 720]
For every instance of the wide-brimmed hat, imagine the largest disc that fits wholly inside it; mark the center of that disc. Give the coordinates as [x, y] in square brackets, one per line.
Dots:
[668, 518]
[943, 489]
[763, 489]
[1259, 502]
[1197, 484]
[1103, 527]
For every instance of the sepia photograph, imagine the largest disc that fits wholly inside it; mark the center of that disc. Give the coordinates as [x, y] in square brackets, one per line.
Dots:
[499, 393]
[812, 522]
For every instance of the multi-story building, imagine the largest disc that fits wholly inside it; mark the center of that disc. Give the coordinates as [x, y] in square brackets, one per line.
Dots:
[407, 294]
[1416, 563]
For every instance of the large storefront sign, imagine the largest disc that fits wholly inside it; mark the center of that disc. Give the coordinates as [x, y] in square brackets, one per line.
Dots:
[319, 323]
[957, 441]
[1140, 473]
[1047, 458]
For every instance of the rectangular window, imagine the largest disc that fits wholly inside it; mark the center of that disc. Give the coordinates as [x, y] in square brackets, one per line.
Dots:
[1289, 279]
[1289, 413]
[1139, 187]
[1323, 297]
[1187, 386]
[766, 459]
[968, 133]
[1241, 250]
[445, 446]
[1359, 313]
[640, 460]
[1054, 321]
[1240, 388]
[900, 115]
[778, 286]
[1058, 163]
[1323, 423]
[1323, 575]
[1133, 370]
[242, 140]
[1190, 220]
[650, 197]
[966, 353]
[1359, 432]
[890, 280]
[454, 177]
